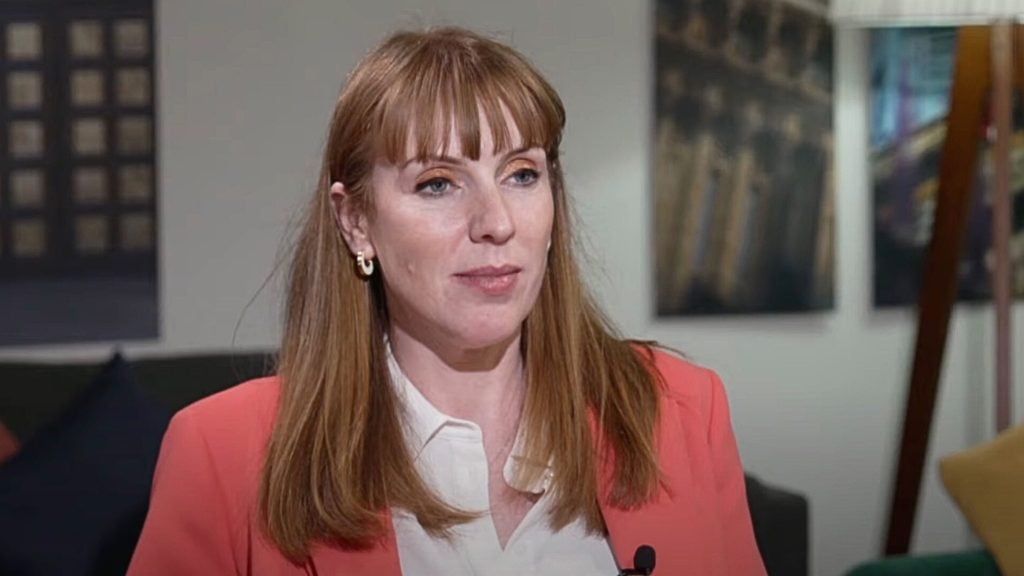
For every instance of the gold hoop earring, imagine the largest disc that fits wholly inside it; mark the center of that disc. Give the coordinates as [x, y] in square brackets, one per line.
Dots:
[364, 264]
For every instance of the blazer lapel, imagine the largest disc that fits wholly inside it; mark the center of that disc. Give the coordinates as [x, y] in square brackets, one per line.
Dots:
[679, 522]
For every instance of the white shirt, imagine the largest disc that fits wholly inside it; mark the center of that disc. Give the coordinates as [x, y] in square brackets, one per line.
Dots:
[449, 455]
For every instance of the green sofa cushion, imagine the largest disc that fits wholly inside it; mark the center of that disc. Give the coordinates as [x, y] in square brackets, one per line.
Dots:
[973, 563]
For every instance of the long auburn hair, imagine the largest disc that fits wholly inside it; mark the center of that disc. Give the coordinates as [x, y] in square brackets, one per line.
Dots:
[337, 457]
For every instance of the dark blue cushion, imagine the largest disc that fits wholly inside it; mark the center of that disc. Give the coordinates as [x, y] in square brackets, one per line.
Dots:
[72, 500]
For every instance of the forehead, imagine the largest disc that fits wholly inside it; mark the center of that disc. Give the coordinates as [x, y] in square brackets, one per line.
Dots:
[424, 96]
[464, 126]
[451, 138]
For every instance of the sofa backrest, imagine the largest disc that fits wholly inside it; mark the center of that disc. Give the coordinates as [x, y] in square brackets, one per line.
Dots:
[33, 395]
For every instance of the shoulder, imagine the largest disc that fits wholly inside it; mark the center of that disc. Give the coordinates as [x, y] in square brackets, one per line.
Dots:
[687, 385]
[205, 487]
[682, 379]
[232, 426]
[241, 406]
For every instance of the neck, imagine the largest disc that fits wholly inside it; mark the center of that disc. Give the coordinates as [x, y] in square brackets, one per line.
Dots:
[475, 384]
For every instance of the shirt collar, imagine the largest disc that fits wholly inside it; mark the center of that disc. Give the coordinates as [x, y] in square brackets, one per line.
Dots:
[423, 421]
[516, 459]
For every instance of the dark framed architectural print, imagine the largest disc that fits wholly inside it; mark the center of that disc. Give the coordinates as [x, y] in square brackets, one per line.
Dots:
[743, 208]
[78, 174]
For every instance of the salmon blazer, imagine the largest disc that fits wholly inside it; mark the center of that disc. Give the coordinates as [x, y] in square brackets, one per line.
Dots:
[203, 510]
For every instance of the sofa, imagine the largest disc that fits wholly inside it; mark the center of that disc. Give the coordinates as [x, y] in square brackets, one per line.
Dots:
[985, 482]
[969, 563]
[73, 498]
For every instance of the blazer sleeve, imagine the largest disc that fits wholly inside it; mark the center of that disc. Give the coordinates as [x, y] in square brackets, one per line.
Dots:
[743, 557]
[188, 528]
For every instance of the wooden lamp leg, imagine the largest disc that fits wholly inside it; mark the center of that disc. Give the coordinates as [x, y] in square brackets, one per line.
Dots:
[1002, 210]
[971, 81]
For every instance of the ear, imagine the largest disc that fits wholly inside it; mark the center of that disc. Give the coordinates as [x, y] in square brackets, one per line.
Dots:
[351, 222]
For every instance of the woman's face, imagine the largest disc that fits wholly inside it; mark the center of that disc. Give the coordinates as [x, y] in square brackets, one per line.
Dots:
[462, 244]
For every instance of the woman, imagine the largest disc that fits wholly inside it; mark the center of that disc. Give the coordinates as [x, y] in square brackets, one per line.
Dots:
[449, 399]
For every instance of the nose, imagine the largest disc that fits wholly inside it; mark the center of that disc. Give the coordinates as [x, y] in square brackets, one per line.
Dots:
[491, 220]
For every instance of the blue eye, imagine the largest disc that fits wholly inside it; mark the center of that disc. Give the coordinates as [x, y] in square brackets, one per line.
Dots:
[434, 187]
[525, 176]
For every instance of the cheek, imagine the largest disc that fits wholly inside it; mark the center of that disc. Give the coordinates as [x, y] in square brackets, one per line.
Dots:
[549, 220]
[411, 246]
[539, 219]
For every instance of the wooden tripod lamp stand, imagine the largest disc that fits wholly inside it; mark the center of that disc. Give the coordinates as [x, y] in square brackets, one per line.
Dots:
[989, 60]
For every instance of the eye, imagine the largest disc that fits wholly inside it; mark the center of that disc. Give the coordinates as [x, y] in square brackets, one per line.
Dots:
[524, 176]
[434, 187]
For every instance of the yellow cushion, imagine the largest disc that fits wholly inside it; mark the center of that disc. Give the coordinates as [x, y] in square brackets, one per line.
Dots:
[987, 483]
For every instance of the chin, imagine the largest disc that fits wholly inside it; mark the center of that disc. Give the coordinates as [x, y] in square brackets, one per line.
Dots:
[477, 339]
[488, 333]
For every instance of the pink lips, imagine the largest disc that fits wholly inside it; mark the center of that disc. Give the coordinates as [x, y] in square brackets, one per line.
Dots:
[491, 280]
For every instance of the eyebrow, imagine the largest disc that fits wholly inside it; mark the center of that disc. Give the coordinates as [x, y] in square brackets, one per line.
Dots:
[460, 161]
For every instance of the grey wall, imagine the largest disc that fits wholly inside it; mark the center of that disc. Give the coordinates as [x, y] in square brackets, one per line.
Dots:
[245, 90]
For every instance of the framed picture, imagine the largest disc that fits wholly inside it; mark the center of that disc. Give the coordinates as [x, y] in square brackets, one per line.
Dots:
[911, 76]
[743, 209]
[78, 179]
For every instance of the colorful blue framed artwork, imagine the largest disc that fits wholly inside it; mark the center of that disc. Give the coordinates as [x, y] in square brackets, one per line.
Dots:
[911, 76]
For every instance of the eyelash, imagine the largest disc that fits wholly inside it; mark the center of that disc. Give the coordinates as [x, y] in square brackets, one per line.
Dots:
[533, 174]
[425, 188]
